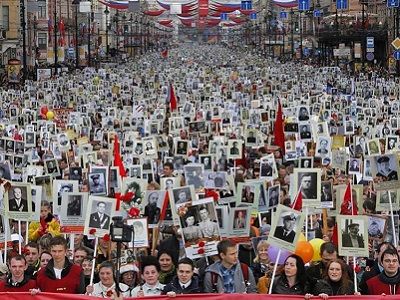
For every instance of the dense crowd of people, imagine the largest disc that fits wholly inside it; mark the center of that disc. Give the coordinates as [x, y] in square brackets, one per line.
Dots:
[219, 142]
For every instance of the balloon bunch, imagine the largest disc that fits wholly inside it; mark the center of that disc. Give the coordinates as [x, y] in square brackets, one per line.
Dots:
[308, 251]
[46, 114]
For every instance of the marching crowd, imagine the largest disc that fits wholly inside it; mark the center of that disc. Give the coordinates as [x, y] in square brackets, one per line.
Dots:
[57, 264]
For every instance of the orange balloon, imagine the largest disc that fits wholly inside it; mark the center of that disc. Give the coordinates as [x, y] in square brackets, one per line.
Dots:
[305, 251]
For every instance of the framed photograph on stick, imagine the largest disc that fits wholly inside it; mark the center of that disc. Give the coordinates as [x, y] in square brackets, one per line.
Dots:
[353, 235]
[141, 235]
[98, 215]
[286, 228]
[73, 212]
[200, 229]
[18, 201]
[377, 225]
[309, 183]
[240, 221]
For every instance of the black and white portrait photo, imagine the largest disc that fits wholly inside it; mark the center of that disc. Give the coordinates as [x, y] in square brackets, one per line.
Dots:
[323, 146]
[97, 184]
[99, 214]
[182, 195]
[18, 201]
[306, 162]
[308, 181]
[152, 209]
[181, 147]
[52, 168]
[273, 196]
[75, 173]
[207, 161]
[377, 225]
[74, 206]
[353, 235]
[194, 175]
[286, 227]
[61, 187]
[168, 183]
[354, 166]
[199, 223]
[235, 149]
[386, 167]
[326, 194]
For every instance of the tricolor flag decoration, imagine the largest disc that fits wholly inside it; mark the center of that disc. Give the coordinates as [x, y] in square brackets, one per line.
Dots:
[171, 98]
[285, 3]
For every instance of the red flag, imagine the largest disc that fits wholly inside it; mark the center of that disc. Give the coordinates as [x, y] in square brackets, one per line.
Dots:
[164, 207]
[278, 129]
[348, 207]
[172, 99]
[335, 237]
[164, 53]
[298, 201]
[117, 158]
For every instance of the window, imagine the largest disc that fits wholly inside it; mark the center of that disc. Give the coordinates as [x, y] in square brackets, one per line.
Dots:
[42, 41]
[42, 9]
[6, 17]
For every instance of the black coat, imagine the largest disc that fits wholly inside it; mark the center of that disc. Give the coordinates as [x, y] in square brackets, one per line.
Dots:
[326, 287]
[174, 286]
[281, 286]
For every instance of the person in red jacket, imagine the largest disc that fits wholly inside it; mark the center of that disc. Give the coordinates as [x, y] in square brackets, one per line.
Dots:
[60, 275]
[17, 281]
[388, 281]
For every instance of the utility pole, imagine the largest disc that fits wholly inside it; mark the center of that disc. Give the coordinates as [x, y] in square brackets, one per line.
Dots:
[23, 27]
[55, 39]
[76, 3]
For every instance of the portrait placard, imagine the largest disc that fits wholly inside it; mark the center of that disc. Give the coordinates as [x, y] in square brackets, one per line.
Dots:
[61, 187]
[199, 223]
[309, 183]
[73, 212]
[154, 201]
[377, 225]
[286, 228]
[353, 235]
[168, 183]
[36, 192]
[141, 235]
[98, 215]
[239, 221]
[248, 194]
[223, 219]
[18, 201]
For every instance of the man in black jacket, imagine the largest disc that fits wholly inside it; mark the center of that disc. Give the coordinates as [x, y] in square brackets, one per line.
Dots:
[184, 282]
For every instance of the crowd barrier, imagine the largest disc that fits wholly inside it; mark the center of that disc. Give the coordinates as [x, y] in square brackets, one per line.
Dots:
[51, 296]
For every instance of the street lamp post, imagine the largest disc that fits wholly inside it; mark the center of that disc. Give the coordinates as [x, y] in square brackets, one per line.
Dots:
[23, 25]
[107, 12]
[76, 3]
[55, 39]
[90, 20]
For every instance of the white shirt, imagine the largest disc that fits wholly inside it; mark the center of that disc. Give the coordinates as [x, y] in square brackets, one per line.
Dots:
[58, 273]
[148, 290]
[100, 290]
[185, 285]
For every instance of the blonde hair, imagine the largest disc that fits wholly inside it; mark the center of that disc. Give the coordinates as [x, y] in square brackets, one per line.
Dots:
[261, 244]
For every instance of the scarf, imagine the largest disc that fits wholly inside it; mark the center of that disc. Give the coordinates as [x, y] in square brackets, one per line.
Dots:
[164, 275]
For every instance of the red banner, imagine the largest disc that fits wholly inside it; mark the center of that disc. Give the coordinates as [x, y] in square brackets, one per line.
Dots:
[51, 296]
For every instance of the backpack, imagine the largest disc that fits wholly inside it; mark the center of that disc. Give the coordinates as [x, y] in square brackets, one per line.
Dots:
[245, 272]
